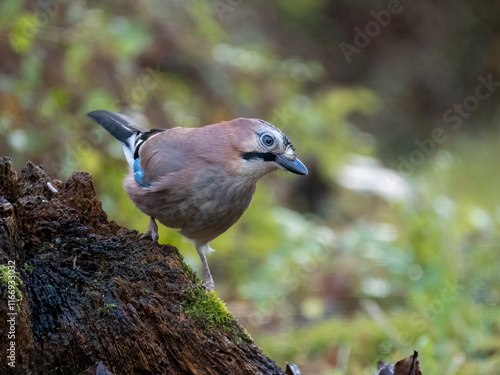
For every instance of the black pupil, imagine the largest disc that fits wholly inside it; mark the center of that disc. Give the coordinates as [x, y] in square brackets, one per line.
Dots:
[268, 140]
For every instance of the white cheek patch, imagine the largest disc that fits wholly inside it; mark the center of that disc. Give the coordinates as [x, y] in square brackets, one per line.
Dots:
[255, 169]
[289, 154]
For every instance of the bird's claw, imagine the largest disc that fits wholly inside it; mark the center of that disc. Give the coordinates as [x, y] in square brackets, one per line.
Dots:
[152, 231]
[209, 285]
[154, 236]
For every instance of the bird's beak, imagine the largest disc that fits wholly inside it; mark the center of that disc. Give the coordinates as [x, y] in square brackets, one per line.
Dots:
[294, 166]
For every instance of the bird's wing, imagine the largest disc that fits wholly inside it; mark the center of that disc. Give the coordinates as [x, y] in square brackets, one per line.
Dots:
[165, 153]
[191, 150]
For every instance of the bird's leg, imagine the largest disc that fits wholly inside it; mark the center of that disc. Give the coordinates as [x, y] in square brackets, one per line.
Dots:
[202, 250]
[152, 231]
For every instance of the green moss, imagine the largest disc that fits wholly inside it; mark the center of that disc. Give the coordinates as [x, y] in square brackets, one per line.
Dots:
[190, 273]
[4, 282]
[28, 268]
[104, 311]
[186, 268]
[46, 247]
[208, 309]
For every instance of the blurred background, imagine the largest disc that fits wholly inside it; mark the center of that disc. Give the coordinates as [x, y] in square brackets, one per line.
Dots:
[390, 244]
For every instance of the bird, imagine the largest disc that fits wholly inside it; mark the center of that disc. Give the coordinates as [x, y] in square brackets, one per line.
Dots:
[198, 180]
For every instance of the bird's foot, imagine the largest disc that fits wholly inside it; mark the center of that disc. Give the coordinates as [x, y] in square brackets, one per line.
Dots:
[202, 249]
[152, 231]
[154, 236]
[209, 285]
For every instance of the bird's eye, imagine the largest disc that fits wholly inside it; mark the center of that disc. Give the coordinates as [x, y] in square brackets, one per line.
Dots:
[268, 140]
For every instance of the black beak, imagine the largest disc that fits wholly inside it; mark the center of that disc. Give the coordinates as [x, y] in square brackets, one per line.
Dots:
[294, 166]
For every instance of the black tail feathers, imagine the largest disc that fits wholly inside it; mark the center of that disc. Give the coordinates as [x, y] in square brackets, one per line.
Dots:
[125, 130]
[120, 126]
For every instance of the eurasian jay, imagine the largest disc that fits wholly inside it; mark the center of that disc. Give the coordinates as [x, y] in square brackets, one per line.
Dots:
[198, 180]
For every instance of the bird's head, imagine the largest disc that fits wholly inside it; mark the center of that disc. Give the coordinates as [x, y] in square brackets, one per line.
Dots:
[266, 149]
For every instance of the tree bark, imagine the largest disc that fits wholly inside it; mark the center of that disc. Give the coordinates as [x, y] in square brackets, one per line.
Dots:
[95, 298]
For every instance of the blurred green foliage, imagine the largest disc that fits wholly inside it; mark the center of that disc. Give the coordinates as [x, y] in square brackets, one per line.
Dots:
[329, 277]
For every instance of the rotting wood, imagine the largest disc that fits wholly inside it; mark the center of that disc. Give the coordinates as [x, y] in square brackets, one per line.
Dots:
[120, 306]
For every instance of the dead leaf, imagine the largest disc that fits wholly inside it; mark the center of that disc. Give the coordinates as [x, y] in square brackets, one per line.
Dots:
[407, 366]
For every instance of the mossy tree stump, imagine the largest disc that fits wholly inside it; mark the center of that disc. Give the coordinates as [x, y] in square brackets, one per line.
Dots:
[93, 292]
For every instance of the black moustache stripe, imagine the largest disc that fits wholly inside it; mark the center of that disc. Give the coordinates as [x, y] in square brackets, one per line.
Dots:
[266, 156]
